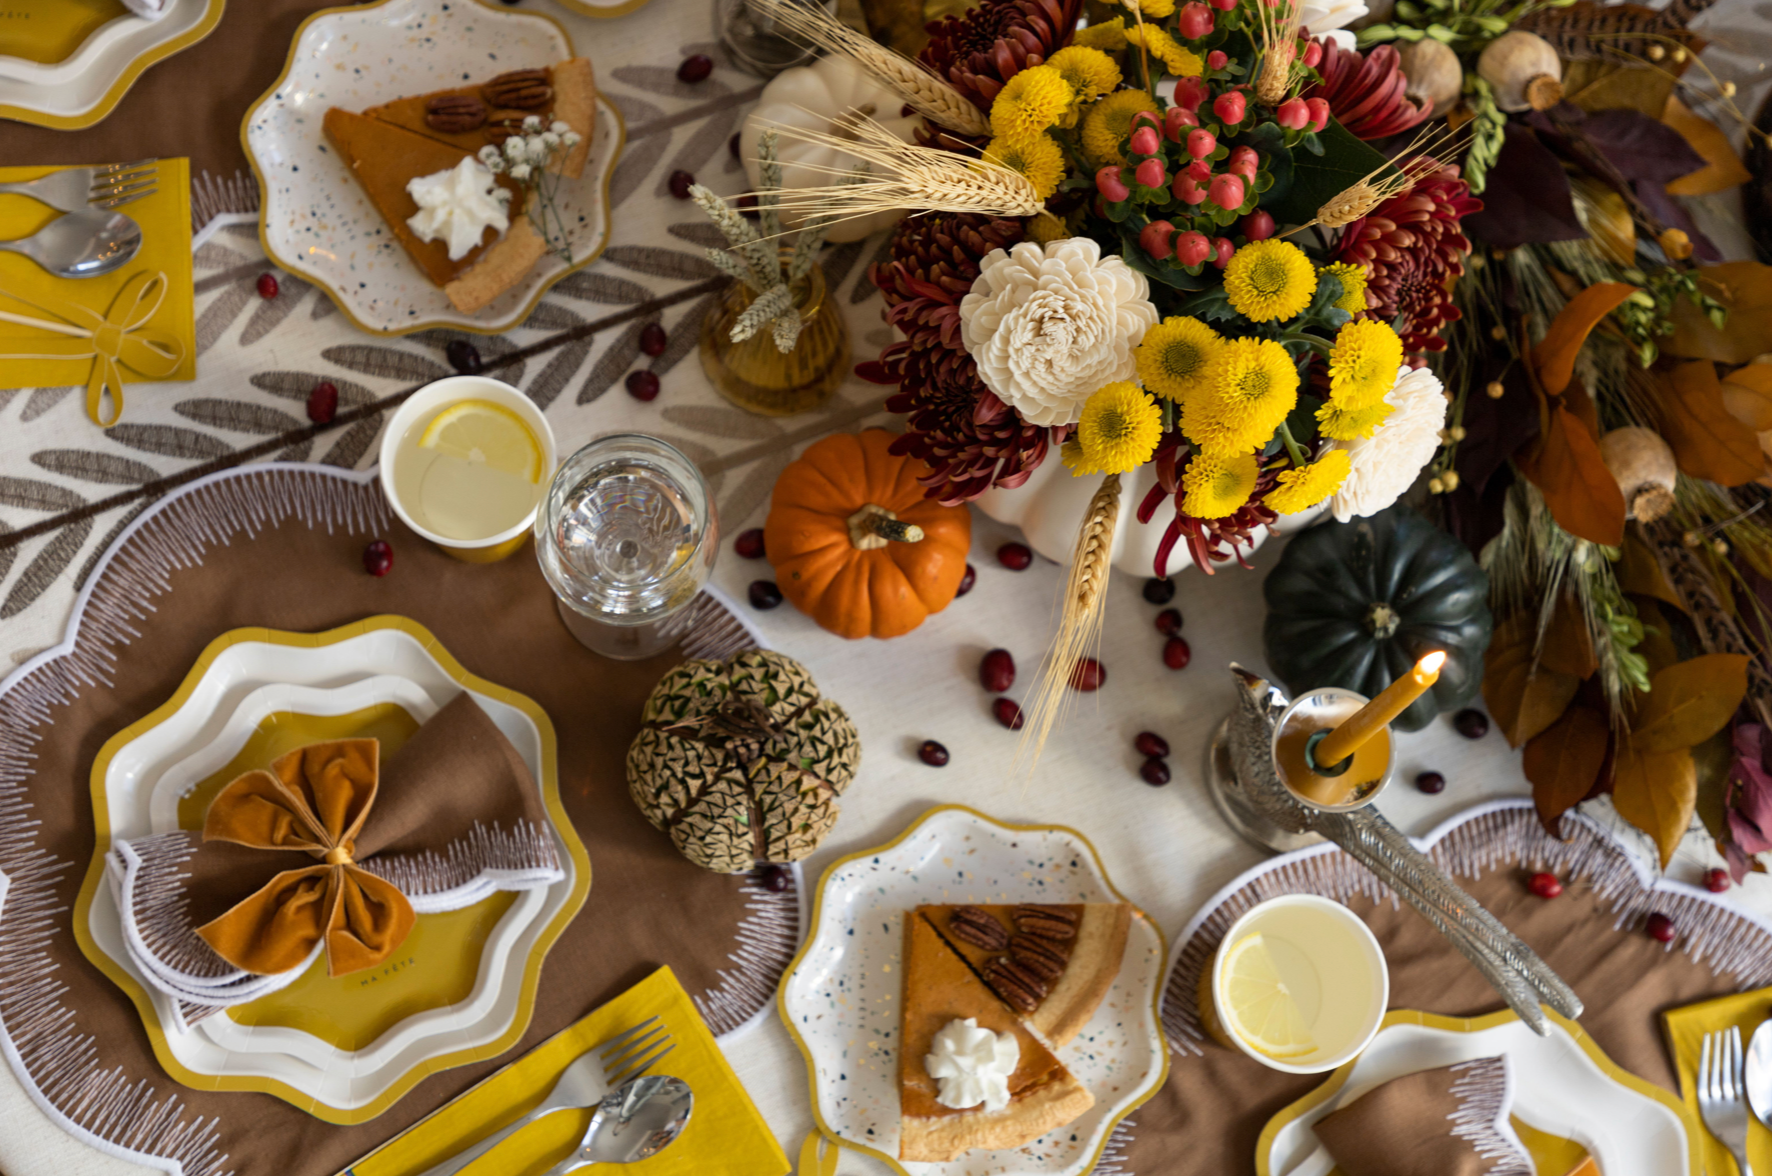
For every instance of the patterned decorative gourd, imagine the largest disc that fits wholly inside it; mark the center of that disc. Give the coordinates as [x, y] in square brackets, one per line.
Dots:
[742, 761]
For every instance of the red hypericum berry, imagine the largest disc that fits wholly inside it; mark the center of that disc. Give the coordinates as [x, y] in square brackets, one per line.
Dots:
[1145, 141]
[1187, 189]
[1177, 653]
[775, 879]
[378, 558]
[463, 356]
[764, 594]
[966, 582]
[1660, 928]
[1145, 118]
[1015, 556]
[1319, 112]
[1313, 53]
[1258, 225]
[1243, 162]
[323, 402]
[695, 68]
[933, 754]
[1192, 248]
[1226, 191]
[1293, 114]
[1150, 173]
[267, 286]
[1150, 743]
[1158, 591]
[1431, 783]
[1229, 108]
[1222, 252]
[643, 385]
[1176, 121]
[996, 671]
[1544, 885]
[1201, 171]
[747, 207]
[1218, 58]
[1195, 20]
[1169, 622]
[1110, 185]
[1154, 771]
[1088, 675]
[1716, 880]
[1189, 93]
[653, 339]
[680, 182]
[1222, 6]
[1154, 239]
[1008, 713]
[1471, 723]
[749, 544]
[1201, 143]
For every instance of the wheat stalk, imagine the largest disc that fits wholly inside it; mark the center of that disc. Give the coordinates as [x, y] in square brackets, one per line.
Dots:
[1354, 202]
[921, 90]
[1279, 45]
[1079, 628]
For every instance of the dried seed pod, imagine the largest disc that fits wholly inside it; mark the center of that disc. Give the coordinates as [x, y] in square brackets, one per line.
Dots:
[1523, 71]
[1644, 468]
[1433, 74]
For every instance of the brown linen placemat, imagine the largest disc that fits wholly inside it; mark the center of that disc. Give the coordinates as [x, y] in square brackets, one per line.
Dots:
[1207, 1119]
[283, 549]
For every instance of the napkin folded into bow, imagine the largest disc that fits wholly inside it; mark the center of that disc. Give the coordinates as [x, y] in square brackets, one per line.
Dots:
[223, 916]
[1450, 1121]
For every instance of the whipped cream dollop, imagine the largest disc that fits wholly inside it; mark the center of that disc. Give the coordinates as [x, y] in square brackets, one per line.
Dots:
[972, 1065]
[457, 205]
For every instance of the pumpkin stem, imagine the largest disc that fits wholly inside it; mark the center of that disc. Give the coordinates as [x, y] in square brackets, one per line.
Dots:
[872, 527]
[1382, 620]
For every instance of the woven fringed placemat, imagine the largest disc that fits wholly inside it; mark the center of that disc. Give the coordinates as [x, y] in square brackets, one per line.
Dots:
[281, 547]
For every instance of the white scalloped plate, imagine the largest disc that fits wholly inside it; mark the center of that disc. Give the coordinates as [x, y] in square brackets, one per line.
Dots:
[840, 999]
[84, 87]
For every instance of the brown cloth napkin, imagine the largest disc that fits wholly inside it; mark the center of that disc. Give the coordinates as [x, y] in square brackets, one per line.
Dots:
[1442, 1122]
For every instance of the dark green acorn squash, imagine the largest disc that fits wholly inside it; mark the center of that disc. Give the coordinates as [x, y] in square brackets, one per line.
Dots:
[1356, 604]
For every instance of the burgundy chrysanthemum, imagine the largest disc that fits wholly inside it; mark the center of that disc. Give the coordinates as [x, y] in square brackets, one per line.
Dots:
[1413, 249]
[983, 47]
[1365, 93]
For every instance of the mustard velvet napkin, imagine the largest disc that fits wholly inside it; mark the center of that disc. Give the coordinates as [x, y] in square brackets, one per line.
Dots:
[134, 325]
[1449, 1121]
[1685, 1028]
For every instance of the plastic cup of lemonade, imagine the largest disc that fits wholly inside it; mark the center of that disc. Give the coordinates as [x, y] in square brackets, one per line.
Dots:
[465, 462]
[1299, 984]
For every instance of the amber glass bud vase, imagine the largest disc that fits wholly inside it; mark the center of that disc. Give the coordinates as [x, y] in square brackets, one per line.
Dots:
[756, 376]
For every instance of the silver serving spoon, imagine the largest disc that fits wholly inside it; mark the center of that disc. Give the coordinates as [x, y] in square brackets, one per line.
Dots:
[1758, 1076]
[81, 244]
[634, 1122]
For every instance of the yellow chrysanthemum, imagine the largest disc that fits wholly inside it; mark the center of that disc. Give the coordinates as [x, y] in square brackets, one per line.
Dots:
[1176, 57]
[1252, 385]
[1109, 36]
[1353, 286]
[1031, 102]
[1349, 424]
[1038, 157]
[1269, 280]
[1071, 454]
[1046, 228]
[1363, 363]
[1109, 121]
[1175, 357]
[1301, 489]
[1157, 8]
[1090, 72]
[1119, 429]
[1215, 485]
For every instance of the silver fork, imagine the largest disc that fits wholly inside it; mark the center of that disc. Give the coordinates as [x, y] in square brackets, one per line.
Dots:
[75, 188]
[1722, 1099]
[591, 1075]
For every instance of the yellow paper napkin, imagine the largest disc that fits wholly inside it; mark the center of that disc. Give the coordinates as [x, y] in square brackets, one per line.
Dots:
[725, 1137]
[134, 325]
[1685, 1029]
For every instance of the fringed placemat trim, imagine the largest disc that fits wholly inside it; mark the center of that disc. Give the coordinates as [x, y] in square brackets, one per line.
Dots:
[213, 196]
[1484, 1090]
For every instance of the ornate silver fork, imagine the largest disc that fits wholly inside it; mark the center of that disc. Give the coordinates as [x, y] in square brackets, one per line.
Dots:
[73, 189]
[1722, 1098]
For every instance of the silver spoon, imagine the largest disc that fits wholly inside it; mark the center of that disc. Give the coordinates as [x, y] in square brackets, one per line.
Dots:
[634, 1122]
[81, 244]
[1758, 1076]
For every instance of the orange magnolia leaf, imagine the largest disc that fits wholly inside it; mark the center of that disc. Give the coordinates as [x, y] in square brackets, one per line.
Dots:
[1657, 792]
[1596, 85]
[1554, 357]
[1747, 394]
[1707, 441]
[1583, 496]
[1564, 760]
[1639, 573]
[1745, 287]
[1568, 641]
[1524, 699]
[1722, 170]
[1689, 701]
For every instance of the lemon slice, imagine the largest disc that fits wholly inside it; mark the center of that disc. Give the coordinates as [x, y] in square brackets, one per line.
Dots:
[487, 434]
[1257, 1006]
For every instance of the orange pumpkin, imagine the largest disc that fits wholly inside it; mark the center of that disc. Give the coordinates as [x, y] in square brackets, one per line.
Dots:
[855, 544]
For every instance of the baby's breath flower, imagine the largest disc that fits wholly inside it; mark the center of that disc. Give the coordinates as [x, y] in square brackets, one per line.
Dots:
[532, 123]
[520, 171]
[558, 127]
[514, 147]
[489, 155]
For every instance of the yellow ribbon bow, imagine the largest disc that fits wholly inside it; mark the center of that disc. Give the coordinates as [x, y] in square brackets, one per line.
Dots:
[119, 338]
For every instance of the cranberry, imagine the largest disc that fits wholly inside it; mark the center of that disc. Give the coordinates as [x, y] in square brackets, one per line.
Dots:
[695, 68]
[1471, 723]
[323, 402]
[1015, 556]
[378, 558]
[966, 582]
[1169, 622]
[463, 356]
[1008, 713]
[1176, 653]
[1088, 676]
[775, 879]
[643, 385]
[1159, 591]
[267, 286]
[1149, 743]
[1154, 771]
[996, 672]
[1431, 783]
[764, 594]
[933, 754]
[1544, 885]
[653, 339]
[1660, 928]
[1716, 880]
[679, 183]
[747, 206]
[749, 544]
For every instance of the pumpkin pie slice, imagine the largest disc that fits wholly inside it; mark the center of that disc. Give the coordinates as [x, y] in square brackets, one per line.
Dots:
[940, 987]
[469, 117]
[1052, 963]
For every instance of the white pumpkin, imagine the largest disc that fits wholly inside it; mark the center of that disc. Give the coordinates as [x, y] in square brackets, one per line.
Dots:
[826, 96]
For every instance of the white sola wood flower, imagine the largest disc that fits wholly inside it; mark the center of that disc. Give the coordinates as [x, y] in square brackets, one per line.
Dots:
[1386, 463]
[1049, 325]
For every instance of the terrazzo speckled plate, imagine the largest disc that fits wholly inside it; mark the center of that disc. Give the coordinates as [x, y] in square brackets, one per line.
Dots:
[840, 999]
[315, 219]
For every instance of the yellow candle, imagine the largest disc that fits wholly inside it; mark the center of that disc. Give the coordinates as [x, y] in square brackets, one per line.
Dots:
[1378, 714]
